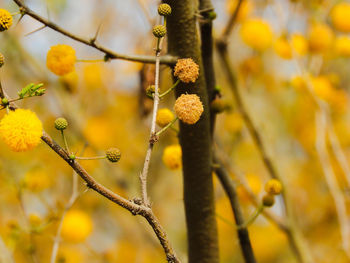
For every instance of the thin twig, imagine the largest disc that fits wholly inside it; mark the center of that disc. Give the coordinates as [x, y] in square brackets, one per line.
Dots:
[70, 203]
[339, 200]
[169, 60]
[231, 22]
[153, 136]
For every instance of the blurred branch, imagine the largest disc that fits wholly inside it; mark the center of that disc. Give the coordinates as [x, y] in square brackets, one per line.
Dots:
[242, 231]
[70, 203]
[293, 234]
[231, 22]
[25, 10]
[323, 120]
[339, 200]
[5, 254]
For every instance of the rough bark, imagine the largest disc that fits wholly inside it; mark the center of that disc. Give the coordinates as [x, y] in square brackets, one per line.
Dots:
[195, 140]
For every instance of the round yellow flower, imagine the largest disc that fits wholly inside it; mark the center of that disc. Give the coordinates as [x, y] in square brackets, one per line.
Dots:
[283, 48]
[342, 46]
[320, 38]
[186, 70]
[21, 130]
[245, 9]
[299, 44]
[61, 59]
[77, 226]
[188, 108]
[172, 156]
[164, 117]
[257, 34]
[273, 187]
[322, 87]
[5, 19]
[340, 17]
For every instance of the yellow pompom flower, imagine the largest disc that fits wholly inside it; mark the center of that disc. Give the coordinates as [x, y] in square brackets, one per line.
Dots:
[340, 17]
[189, 108]
[342, 46]
[186, 70]
[322, 87]
[283, 48]
[172, 156]
[245, 9]
[273, 187]
[21, 130]
[5, 19]
[299, 44]
[320, 38]
[61, 59]
[77, 226]
[164, 117]
[256, 33]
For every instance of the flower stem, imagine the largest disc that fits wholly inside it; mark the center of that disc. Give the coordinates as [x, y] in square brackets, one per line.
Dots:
[90, 60]
[65, 142]
[169, 90]
[251, 220]
[91, 158]
[166, 127]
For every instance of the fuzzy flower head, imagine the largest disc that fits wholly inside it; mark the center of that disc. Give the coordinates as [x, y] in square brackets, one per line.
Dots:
[273, 187]
[283, 48]
[342, 46]
[61, 59]
[5, 19]
[257, 34]
[186, 70]
[164, 117]
[21, 130]
[77, 226]
[172, 157]
[320, 37]
[340, 17]
[188, 108]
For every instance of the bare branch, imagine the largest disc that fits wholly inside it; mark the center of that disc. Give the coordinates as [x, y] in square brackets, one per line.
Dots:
[169, 60]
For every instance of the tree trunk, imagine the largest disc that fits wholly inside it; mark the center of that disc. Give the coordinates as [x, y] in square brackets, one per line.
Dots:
[195, 140]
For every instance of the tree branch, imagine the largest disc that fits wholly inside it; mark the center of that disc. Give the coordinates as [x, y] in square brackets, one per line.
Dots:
[242, 231]
[169, 60]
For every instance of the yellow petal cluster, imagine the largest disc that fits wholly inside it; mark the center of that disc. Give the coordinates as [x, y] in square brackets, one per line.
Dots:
[21, 130]
[77, 226]
[164, 117]
[340, 17]
[186, 70]
[320, 37]
[172, 156]
[5, 20]
[189, 108]
[342, 46]
[61, 59]
[299, 44]
[256, 33]
[283, 48]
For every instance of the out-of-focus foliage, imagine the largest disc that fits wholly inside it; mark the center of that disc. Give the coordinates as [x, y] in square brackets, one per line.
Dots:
[285, 54]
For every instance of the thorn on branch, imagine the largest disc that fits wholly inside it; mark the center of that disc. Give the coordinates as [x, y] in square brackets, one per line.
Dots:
[154, 138]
